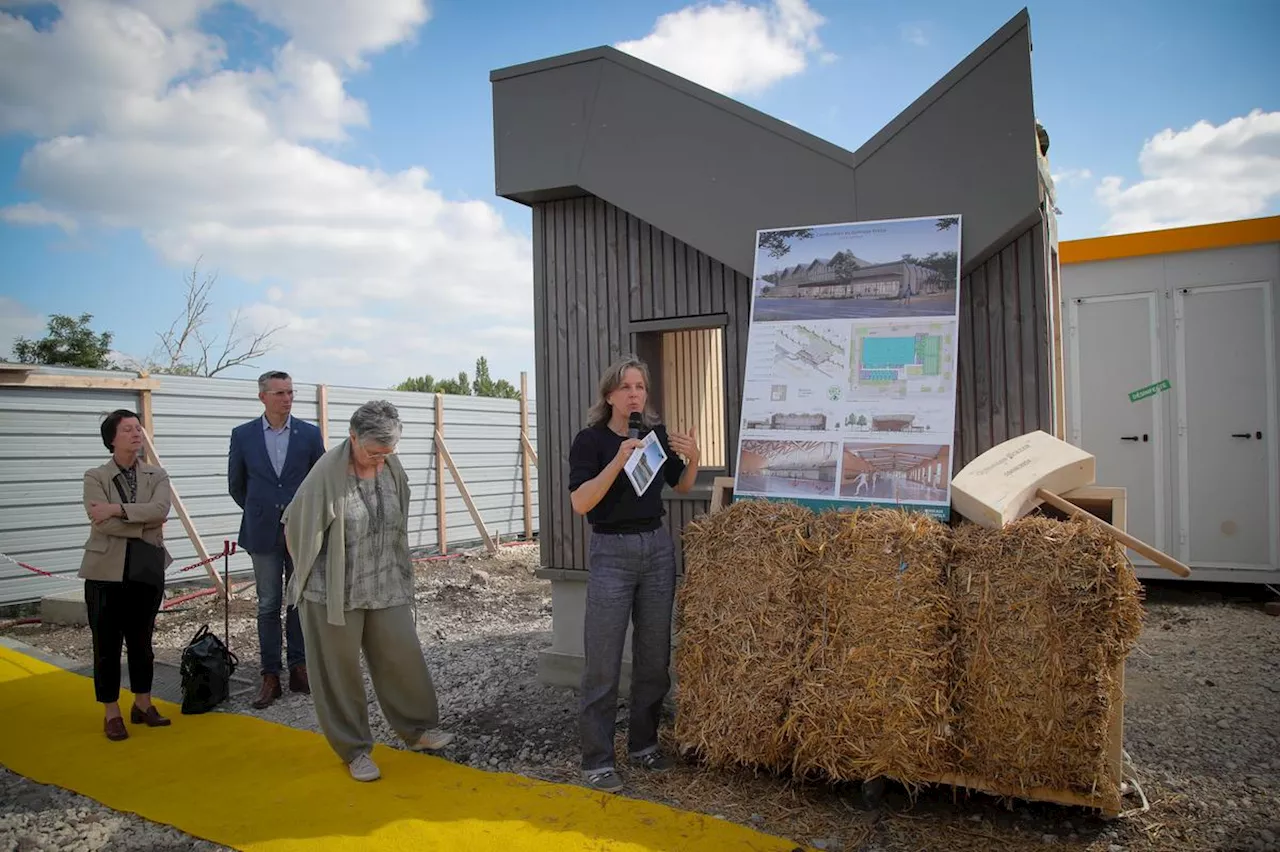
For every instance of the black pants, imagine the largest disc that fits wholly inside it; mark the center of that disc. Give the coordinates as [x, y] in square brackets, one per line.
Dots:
[121, 613]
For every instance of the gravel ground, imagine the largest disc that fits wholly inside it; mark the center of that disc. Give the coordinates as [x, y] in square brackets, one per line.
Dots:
[1202, 722]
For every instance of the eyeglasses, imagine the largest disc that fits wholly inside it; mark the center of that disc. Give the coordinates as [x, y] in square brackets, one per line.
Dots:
[376, 456]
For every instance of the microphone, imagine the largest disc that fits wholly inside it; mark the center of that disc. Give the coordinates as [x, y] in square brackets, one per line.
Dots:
[634, 423]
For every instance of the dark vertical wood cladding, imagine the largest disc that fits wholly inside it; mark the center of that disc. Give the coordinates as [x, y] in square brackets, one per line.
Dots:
[1004, 386]
[596, 269]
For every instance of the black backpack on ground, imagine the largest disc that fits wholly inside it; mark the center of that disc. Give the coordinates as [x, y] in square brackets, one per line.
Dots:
[207, 666]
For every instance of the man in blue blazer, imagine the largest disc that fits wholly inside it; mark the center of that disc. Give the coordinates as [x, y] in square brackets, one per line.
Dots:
[270, 456]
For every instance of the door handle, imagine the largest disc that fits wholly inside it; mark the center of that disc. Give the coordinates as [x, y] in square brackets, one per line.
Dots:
[1128, 437]
[1244, 435]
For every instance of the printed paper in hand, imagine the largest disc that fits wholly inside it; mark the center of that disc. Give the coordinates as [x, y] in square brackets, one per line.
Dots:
[643, 466]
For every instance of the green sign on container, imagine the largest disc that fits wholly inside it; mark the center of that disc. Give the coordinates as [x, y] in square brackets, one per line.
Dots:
[1149, 390]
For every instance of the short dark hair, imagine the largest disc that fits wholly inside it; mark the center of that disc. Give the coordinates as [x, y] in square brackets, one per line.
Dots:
[268, 376]
[112, 423]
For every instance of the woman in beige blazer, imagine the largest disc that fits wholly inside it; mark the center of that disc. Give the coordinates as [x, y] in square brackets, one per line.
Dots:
[127, 502]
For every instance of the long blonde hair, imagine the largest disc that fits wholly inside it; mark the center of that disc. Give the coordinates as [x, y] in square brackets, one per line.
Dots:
[601, 411]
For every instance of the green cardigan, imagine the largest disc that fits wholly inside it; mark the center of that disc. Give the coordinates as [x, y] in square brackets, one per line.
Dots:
[319, 506]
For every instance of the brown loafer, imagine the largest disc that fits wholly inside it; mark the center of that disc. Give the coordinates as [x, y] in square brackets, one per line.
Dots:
[150, 717]
[298, 680]
[270, 692]
[115, 729]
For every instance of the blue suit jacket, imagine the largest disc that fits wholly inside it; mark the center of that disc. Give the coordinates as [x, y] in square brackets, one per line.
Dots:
[253, 484]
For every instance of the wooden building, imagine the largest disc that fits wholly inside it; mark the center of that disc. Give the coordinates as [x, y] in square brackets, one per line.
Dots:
[646, 192]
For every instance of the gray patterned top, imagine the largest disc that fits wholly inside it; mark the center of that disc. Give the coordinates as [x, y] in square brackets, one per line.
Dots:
[379, 573]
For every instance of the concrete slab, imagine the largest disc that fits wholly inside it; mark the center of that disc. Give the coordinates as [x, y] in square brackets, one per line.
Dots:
[65, 607]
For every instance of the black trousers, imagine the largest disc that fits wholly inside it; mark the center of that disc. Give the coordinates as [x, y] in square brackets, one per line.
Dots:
[121, 613]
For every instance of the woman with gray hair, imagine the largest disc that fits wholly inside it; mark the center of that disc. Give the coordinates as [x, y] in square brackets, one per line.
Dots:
[348, 533]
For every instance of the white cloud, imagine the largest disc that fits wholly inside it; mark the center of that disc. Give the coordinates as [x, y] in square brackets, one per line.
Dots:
[732, 47]
[17, 320]
[1205, 173]
[1068, 176]
[31, 213]
[914, 34]
[142, 127]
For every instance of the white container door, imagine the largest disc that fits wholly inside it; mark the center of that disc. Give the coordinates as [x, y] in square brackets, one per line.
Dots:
[1227, 425]
[1121, 353]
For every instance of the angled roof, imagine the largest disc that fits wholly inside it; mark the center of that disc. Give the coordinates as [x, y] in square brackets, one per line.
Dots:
[711, 171]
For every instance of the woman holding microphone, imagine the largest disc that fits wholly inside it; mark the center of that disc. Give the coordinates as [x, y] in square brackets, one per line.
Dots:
[632, 569]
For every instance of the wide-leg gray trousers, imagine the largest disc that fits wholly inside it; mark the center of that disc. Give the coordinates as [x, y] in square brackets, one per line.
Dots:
[397, 668]
[632, 578]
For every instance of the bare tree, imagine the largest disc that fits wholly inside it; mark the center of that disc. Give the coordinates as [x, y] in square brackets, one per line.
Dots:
[186, 349]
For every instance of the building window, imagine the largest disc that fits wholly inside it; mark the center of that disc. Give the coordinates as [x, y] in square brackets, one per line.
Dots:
[692, 389]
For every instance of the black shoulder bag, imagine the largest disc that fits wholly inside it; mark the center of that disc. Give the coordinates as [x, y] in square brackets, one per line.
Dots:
[207, 667]
[143, 561]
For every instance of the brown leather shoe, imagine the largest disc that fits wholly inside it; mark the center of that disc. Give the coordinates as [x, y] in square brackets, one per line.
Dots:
[270, 692]
[150, 717]
[115, 729]
[298, 680]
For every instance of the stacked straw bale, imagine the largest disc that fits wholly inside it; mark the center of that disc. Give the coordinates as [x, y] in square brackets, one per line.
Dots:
[740, 632]
[1046, 612]
[874, 697]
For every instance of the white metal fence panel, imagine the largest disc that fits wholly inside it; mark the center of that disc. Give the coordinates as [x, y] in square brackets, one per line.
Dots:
[49, 437]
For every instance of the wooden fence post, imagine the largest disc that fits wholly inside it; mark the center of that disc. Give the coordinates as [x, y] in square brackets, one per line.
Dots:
[322, 413]
[184, 516]
[148, 421]
[524, 456]
[442, 538]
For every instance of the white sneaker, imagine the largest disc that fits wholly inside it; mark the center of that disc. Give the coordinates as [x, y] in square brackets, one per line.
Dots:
[364, 769]
[432, 740]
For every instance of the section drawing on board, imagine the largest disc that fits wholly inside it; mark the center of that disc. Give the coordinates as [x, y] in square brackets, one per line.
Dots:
[896, 473]
[788, 468]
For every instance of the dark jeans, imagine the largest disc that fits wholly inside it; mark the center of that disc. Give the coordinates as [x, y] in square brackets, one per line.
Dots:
[271, 571]
[121, 613]
[632, 578]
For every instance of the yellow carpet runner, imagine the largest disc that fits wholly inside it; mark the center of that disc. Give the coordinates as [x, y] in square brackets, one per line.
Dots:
[256, 785]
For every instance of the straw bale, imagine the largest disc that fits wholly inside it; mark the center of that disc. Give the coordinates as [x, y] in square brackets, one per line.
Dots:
[739, 627]
[1046, 611]
[874, 699]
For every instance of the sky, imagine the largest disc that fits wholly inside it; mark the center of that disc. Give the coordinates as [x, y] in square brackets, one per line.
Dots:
[331, 161]
[883, 242]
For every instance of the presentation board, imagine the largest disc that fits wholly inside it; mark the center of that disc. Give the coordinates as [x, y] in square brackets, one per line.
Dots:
[849, 392]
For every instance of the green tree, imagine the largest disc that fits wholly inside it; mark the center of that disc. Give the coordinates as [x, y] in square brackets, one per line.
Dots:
[69, 343]
[776, 242]
[484, 385]
[948, 222]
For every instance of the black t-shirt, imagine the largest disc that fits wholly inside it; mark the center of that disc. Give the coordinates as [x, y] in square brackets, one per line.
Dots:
[620, 510]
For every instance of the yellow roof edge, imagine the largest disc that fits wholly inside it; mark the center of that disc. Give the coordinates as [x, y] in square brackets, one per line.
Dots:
[1194, 238]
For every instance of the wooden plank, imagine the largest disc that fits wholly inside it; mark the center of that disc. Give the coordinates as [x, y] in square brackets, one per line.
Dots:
[635, 269]
[615, 248]
[442, 535]
[148, 421]
[466, 495]
[600, 284]
[184, 516]
[1040, 794]
[556, 379]
[322, 413]
[1027, 298]
[13, 379]
[995, 328]
[966, 418]
[525, 478]
[721, 493]
[547, 509]
[714, 292]
[1042, 327]
[579, 342]
[1014, 358]
[981, 362]
[671, 283]
[693, 292]
[529, 450]
[645, 281]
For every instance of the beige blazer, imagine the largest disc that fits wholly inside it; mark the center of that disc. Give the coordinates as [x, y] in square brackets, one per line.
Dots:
[104, 550]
